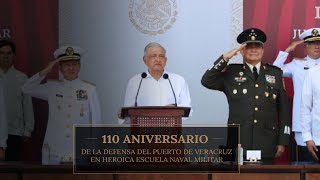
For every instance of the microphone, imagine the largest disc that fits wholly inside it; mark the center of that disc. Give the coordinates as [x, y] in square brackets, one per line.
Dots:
[143, 75]
[166, 76]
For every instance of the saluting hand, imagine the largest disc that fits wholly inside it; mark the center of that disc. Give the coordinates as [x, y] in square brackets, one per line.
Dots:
[233, 52]
[280, 150]
[119, 115]
[293, 45]
[46, 70]
[312, 148]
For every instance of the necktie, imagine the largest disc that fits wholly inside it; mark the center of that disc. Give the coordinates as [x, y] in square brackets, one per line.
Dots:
[255, 73]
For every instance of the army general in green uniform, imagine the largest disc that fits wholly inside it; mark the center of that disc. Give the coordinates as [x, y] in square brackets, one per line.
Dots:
[256, 96]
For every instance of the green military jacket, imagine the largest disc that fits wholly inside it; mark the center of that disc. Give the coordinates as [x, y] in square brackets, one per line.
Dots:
[259, 106]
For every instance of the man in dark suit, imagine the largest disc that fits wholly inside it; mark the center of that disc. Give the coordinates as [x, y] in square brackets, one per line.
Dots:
[256, 96]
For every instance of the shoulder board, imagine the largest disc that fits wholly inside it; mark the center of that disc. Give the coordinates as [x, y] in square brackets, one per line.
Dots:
[298, 58]
[273, 66]
[235, 65]
[89, 83]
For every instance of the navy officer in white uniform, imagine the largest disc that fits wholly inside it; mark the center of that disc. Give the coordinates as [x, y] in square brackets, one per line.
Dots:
[71, 101]
[296, 69]
[310, 112]
[155, 89]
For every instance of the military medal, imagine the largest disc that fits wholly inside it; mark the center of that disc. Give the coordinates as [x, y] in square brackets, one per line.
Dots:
[81, 111]
[241, 78]
[235, 91]
[271, 79]
[244, 91]
[82, 95]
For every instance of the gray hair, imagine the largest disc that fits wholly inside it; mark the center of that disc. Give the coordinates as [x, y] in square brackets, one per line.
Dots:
[151, 45]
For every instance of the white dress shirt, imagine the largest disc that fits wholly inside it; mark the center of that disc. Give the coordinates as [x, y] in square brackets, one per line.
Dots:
[257, 66]
[310, 106]
[3, 119]
[157, 92]
[296, 70]
[70, 102]
[19, 106]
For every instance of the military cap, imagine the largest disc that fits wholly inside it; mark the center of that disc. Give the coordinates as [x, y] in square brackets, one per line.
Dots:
[252, 35]
[310, 35]
[67, 53]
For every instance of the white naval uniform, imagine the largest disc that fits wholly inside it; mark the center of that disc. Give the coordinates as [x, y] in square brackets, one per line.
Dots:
[70, 102]
[310, 106]
[157, 92]
[296, 70]
[3, 119]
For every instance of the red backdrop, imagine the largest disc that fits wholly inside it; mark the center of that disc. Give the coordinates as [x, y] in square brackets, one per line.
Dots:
[33, 25]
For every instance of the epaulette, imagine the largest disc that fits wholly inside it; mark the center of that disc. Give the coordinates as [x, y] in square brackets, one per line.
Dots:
[298, 58]
[273, 66]
[89, 83]
[235, 65]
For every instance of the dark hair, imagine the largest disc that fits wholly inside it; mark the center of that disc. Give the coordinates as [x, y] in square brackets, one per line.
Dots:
[7, 42]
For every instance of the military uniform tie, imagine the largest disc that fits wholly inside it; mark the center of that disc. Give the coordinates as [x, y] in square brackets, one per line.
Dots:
[255, 73]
